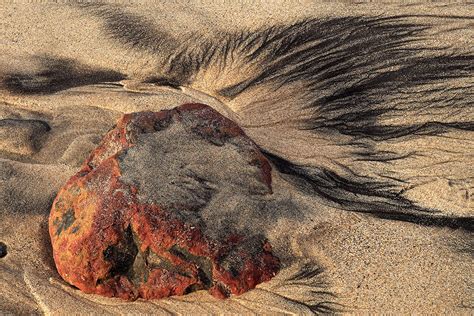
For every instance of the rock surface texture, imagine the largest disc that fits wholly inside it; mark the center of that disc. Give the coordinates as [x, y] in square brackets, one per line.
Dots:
[152, 213]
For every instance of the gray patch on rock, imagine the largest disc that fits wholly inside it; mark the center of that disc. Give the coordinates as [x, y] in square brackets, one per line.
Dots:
[65, 222]
[181, 171]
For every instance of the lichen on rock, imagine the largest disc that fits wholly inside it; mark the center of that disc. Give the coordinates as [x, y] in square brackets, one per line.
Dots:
[150, 215]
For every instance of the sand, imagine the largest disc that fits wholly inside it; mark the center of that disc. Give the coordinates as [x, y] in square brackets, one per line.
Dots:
[333, 260]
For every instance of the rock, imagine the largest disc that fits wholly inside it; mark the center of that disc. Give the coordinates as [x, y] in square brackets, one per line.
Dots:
[147, 215]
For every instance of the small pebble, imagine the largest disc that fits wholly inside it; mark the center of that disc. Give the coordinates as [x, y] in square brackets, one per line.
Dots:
[3, 249]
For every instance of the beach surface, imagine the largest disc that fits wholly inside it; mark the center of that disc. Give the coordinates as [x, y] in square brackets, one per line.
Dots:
[332, 260]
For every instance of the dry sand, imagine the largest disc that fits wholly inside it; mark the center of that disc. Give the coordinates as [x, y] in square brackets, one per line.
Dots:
[370, 265]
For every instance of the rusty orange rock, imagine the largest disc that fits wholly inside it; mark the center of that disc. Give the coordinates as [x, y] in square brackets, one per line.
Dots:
[141, 220]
